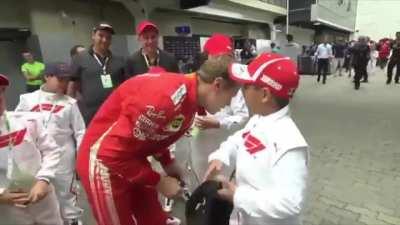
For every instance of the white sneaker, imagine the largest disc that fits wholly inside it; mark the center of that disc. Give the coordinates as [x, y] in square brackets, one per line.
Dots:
[168, 204]
[173, 221]
[74, 222]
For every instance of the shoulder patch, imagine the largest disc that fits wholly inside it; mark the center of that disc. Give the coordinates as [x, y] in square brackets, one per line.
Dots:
[179, 95]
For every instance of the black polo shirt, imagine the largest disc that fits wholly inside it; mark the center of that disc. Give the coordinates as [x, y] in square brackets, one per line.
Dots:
[395, 46]
[136, 63]
[87, 70]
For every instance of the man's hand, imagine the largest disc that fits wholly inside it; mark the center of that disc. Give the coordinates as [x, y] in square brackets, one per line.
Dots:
[206, 122]
[228, 191]
[174, 170]
[39, 191]
[169, 187]
[214, 168]
[14, 198]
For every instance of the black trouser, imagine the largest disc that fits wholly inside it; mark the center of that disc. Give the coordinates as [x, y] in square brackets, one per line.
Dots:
[391, 65]
[382, 62]
[365, 73]
[323, 65]
[32, 88]
[360, 72]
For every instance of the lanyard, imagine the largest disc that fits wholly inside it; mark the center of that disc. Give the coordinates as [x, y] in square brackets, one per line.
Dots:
[103, 66]
[147, 60]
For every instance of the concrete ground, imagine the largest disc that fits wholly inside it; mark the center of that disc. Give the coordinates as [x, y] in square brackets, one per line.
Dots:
[355, 151]
[355, 142]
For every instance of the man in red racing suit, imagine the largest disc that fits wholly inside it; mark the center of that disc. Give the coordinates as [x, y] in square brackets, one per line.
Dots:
[142, 118]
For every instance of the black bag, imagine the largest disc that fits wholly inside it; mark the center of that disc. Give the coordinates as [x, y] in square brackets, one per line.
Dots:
[205, 207]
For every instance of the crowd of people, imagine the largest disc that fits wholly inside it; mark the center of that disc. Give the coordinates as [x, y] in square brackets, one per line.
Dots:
[362, 56]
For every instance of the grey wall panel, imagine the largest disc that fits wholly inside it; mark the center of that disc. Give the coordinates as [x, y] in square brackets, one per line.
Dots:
[10, 63]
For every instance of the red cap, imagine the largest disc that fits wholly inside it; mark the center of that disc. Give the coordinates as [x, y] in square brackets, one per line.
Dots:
[4, 80]
[276, 72]
[145, 25]
[218, 44]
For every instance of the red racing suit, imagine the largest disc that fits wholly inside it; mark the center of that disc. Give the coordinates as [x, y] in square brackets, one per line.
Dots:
[141, 118]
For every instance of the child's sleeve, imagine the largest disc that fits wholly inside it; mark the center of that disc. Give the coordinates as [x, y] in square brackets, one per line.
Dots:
[22, 105]
[285, 196]
[238, 116]
[49, 151]
[78, 124]
[227, 150]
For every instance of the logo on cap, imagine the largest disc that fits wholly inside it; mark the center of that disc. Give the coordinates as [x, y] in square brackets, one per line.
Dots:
[268, 80]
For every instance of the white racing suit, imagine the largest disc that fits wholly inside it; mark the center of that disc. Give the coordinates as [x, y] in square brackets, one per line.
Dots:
[27, 154]
[270, 156]
[65, 123]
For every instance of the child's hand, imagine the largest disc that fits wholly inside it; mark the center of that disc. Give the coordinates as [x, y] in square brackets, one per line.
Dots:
[206, 122]
[228, 191]
[39, 191]
[213, 170]
[14, 198]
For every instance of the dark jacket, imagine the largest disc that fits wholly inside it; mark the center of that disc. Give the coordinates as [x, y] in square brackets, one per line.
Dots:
[361, 54]
[86, 70]
[136, 64]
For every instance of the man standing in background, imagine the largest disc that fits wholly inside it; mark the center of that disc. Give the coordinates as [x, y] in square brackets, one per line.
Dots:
[76, 49]
[394, 61]
[338, 51]
[323, 55]
[96, 72]
[32, 71]
[361, 55]
[149, 55]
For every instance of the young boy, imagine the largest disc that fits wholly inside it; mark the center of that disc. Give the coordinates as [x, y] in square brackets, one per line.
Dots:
[64, 122]
[28, 162]
[270, 153]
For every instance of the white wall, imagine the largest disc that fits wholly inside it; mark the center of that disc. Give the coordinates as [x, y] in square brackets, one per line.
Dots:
[167, 22]
[301, 36]
[57, 33]
[378, 19]
[14, 15]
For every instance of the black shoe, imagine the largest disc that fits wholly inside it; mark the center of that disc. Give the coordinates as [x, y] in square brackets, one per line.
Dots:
[388, 82]
[397, 82]
[364, 81]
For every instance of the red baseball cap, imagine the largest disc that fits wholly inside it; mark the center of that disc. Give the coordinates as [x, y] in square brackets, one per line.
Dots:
[218, 44]
[4, 80]
[276, 72]
[146, 24]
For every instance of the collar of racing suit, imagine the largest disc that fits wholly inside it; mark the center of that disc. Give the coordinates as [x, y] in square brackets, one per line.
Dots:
[50, 96]
[256, 119]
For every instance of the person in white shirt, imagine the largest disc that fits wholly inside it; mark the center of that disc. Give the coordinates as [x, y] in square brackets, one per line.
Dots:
[270, 154]
[323, 54]
[28, 162]
[65, 123]
[216, 128]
